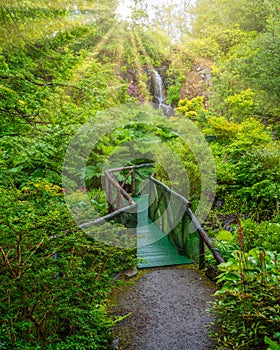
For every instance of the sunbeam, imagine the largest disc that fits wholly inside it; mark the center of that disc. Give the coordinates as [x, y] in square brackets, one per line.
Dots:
[92, 56]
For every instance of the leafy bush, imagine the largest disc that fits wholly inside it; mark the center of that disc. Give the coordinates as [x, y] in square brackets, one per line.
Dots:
[247, 306]
[53, 280]
[240, 106]
[254, 65]
[272, 344]
[265, 235]
[247, 161]
[224, 130]
[173, 93]
[193, 108]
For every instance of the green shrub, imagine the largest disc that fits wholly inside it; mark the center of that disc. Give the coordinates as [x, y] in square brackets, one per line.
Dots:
[173, 93]
[247, 305]
[263, 235]
[54, 280]
[240, 106]
[194, 110]
[271, 343]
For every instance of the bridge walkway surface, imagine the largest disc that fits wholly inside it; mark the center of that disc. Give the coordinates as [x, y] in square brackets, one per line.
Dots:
[166, 307]
[154, 249]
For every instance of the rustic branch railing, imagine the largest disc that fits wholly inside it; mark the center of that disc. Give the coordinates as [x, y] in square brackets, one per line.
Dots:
[204, 239]
[167, 209]
[116, 195]
[172, 213]
[122, 208]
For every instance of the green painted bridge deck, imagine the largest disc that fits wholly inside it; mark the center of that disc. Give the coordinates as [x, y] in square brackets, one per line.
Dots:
[153, 246]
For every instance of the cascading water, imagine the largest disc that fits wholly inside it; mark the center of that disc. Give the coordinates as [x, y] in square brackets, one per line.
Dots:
[159, 94]
[158, 88]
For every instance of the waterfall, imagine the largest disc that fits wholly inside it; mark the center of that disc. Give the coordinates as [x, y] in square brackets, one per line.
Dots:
[158, 88]
[159, 94]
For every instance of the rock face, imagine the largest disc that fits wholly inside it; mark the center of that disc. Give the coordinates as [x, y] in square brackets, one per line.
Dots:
[198, 81]
[130, 75]
[156, 85]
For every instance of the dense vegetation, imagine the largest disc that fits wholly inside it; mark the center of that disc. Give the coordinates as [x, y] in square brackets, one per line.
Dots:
[54, 280]
[63, 64]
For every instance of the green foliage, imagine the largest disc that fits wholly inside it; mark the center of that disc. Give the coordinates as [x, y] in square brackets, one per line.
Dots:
[205, 47]
[173, 93]
[247, 305]
[265, 235]
[258, 180]
[25, 159]
[242, 127]
[225, 248]
[60, 65]
[148, 48]
[255, 65]
[248, 15]
[272, 344]
[247, 166]
[242, 37]
[194, 110]
[184, 170]
[54, 280]
[216, 41]
[224, 130]
[138, 49]
[251, 132]
[240, 105]
[55, 277]
[98, 200]
[181, 61]
[224, 235]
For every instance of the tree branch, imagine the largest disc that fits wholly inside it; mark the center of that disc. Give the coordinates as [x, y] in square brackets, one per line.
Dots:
[5, 257]
[39, 83]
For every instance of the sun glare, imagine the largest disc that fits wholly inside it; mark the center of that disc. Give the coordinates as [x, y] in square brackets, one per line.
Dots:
[123, 10]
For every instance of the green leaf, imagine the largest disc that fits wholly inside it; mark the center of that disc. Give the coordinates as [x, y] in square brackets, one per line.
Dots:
[271, 343]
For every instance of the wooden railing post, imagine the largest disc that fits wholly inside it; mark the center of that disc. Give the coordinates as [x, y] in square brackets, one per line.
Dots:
[133, 182]
[108, 188]
[112, 183]
[204, 240]
[201, 253]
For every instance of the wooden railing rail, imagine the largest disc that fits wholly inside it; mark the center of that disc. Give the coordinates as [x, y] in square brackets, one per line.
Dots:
[121, 202]
[203, 237]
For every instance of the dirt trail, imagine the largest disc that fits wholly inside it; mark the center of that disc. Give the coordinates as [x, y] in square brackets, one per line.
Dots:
[167, 307]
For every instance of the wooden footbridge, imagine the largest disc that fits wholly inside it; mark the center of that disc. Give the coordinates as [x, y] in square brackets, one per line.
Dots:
[160, 221]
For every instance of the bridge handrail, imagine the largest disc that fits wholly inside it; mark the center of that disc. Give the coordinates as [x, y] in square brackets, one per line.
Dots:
[183, 199]
[204, 238]
[103, 219]
[131, 167]
[108, 174]
[215, 251]
[116, 184]
[110, 178]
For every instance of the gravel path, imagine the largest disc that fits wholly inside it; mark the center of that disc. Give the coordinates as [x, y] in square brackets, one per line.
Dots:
[167, 307]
